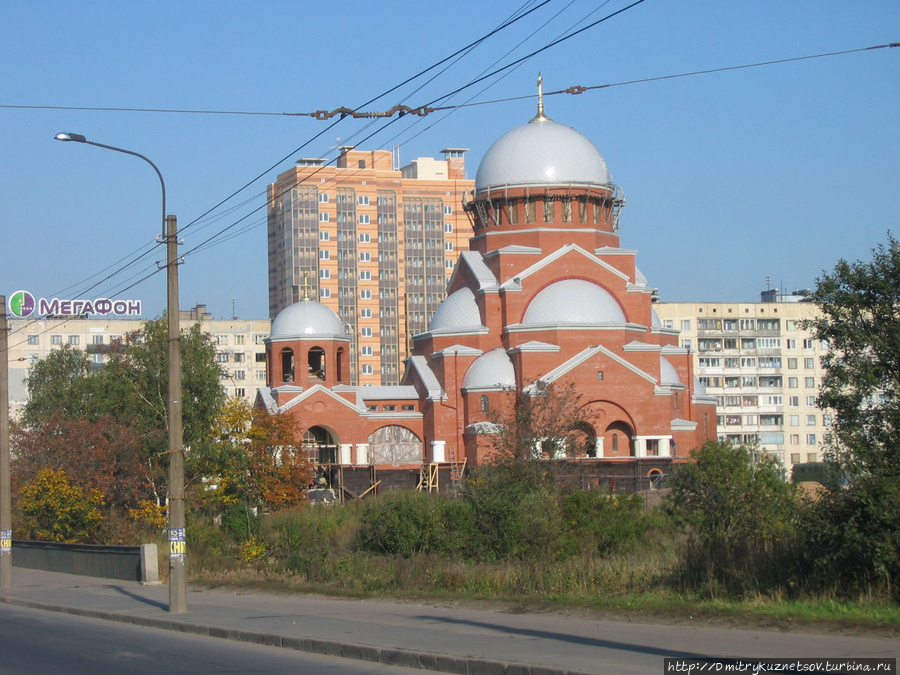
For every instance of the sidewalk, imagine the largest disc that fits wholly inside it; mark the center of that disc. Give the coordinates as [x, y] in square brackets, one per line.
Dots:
[444, 636]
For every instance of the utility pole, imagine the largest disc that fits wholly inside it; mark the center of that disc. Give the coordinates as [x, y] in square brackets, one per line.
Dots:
[5, 487]
[177, 539]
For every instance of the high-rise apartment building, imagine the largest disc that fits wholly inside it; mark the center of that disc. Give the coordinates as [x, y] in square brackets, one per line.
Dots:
[373, 242]
[762, 367]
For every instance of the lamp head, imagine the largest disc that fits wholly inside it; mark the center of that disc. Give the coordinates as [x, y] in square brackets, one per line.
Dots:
[78, 138]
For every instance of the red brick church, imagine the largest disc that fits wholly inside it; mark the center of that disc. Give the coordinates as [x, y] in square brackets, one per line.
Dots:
[545, 294]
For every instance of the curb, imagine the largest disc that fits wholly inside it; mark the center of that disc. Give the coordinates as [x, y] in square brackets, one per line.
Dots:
[443, 663]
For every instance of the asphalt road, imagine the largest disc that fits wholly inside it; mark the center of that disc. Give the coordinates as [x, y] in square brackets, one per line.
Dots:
[38, 642]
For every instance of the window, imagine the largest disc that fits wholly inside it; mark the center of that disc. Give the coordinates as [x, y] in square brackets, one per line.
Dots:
[74, 340]
[685, 324]
[365, 313]
[323, 197]
[365, 256]
[34, 339]
[448, 228]
[365, 331]
[365, 294]
[770, 362]
[708, 362]
[810, 382]
[795, 420]
[240, 391]
[748, 343]
[260, 375]
[810, 420]
[260, 357]
[685, 344]
[795, 439]
[448, 264]
[240, 357]
[324, 292]
[485, 403]
[748, 381]
[792, 364]
[811, 457]
[323, 217]
[367, 350]
[732, 382]
[748, 362]
[222, 357]
[448, 210]
[324, 235]
[771, 399]
[795, 458]
[748, 324]
[810, 400]
[368, 369]
[792, 344]
[363, 200]
[730, 343]
[324, 274]
[809, 363]
[668, 323]
[771, 420]
[810, 439]
[768, 324]
[808, 343]
[364, 219]
[448, 245]
[748, 401]
[389, 408]
[324, 254]
[732, 362]
[240, 339]
[365, 238]
[794, 401]
[792, 383]
[365, 275]
[221, 339]
[768, 343]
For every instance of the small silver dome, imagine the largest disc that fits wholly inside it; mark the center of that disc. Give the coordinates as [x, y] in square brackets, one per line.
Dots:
[491, 370]
[539, 153]
[458, 311]
[574, 301]
[667, 373]
[305, 319]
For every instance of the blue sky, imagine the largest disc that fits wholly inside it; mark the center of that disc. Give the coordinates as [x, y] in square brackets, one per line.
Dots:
[730, 178]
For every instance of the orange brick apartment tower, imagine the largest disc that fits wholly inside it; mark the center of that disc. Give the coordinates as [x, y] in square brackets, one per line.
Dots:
[374, 243]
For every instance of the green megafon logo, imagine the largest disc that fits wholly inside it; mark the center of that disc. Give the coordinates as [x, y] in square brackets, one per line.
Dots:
[22, 304]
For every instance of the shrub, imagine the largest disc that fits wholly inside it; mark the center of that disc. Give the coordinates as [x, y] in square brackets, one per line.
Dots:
[55, 510]
[403, 522]
[602, 523]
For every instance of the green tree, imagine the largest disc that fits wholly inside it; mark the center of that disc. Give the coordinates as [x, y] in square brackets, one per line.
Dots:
[740, 515]
[60, 384]
[856, 528]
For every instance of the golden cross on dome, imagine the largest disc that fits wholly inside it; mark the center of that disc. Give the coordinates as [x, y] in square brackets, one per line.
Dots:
[305, 284]
[540, 110]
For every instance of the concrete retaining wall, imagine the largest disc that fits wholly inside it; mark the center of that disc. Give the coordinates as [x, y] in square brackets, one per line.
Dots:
[132, 563]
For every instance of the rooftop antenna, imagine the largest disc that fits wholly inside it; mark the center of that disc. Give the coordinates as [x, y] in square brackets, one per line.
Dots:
[540, 108]
[233, 316]
[768, 283]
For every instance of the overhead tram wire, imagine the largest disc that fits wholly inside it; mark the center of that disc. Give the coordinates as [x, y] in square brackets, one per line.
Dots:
[516, 16]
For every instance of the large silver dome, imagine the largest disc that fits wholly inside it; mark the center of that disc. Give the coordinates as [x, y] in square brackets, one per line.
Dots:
[306, 318]
[541, 152]
[491, 370]
[574, 301]
[458, 311]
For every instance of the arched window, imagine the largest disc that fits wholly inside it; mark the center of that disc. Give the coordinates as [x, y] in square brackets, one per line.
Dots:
[316, 363]
[287, 365]
[485, 403]
[395, 445]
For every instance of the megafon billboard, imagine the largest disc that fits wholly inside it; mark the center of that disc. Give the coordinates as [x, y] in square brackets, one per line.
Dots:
[23, 304]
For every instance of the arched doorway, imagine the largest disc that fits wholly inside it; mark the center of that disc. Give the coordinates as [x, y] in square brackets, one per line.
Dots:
[320, 445]
[581, 441]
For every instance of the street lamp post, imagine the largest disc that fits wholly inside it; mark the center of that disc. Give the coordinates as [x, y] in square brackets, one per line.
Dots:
[177, 544]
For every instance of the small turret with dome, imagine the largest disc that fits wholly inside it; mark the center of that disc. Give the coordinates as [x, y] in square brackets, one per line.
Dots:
[310, 333]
